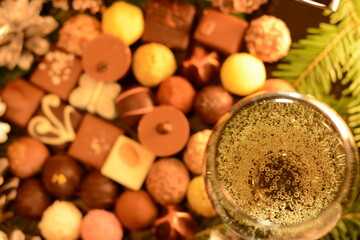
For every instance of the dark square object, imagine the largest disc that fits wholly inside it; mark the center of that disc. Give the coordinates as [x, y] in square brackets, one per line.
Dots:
[220, 31]
[63, 121]
[57, 73]
[94, 140]
[22, 99]
[169, 23]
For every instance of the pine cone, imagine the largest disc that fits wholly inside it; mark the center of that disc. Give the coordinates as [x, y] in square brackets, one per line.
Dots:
[8, 190]
[23, 32]
[238, 6]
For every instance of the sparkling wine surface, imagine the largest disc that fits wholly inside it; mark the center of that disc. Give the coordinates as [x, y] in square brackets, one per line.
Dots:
[281, 163]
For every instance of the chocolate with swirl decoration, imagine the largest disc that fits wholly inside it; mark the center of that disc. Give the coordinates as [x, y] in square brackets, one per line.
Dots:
[55, 123]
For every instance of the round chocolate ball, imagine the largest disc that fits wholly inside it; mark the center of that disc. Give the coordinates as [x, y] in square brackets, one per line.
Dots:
[26, 156]
[194, 152]
[153, 63]
[136, 210]
[268, 38]
[99, 224]
[61, 220]
[97, 191]
[32, 199]
[167, 181]
[73, 36]
[212, 102]
[177, 92]
[242, 73]
[62, 176]
[198, 199]
[133, 103]
[277, 85]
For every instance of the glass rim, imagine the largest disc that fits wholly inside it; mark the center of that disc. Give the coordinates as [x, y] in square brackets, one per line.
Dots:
[346, 191]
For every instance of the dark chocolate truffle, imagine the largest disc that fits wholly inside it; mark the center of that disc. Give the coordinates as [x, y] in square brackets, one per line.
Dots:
[61, 176]
[133, 103]
[106, 58]
[212, 102]
[164, 131]
[177, 92]
[32, 199]
[97, 191]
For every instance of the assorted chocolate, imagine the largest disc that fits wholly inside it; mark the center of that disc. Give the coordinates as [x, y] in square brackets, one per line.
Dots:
[116, 118]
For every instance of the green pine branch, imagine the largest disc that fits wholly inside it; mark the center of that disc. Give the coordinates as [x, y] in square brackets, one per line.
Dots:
[327, 65]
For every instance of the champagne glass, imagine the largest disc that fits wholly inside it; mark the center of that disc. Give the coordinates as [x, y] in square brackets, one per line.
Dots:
[281, 166]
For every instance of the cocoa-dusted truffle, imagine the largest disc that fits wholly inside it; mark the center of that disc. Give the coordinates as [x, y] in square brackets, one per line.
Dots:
[77, 32]
[26, 156]
[97, 191]
[32, 199]
[194, 151]
[212, 102]
[268, 38]
[167, 181]
[164, 131]
[133, 103]
[177, 92]
[136, 210]
[62, 176]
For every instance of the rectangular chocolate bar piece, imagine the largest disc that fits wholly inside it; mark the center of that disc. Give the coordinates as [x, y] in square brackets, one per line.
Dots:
[220, 31]
[169, 23]
[22, 100]
[57, 73]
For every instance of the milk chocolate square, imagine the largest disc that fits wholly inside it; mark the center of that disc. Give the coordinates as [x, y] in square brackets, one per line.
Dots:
[57, 73]
[128, 163]
[22, 99]
[55, 123]
[169, 23]
[220, 31]
[94, 140]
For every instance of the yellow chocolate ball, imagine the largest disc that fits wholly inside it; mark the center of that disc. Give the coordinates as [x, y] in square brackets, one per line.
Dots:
[123, 20]
[153, 63]
[242, 74]
[198, 199]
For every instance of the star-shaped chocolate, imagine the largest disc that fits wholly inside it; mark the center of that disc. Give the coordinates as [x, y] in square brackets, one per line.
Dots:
[202, 66]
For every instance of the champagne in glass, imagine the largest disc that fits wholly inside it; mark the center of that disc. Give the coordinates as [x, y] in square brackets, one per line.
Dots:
[281, 166]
